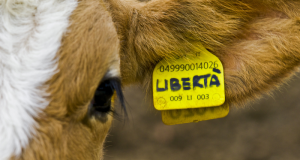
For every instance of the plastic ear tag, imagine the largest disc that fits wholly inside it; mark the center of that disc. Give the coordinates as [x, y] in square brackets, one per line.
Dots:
[194, 81]
[180, 116]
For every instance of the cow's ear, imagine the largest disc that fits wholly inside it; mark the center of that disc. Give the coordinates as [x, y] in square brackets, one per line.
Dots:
[257, 46]
[150, 32]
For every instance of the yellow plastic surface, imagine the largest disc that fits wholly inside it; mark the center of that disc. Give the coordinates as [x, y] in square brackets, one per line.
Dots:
[181, 116]
[189, 82]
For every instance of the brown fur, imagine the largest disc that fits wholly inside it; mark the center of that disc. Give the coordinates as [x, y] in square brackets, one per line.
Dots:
[257, 41]
[65, 131]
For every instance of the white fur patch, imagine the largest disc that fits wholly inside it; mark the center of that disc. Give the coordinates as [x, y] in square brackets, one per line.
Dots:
[30, 36]
[114, 69]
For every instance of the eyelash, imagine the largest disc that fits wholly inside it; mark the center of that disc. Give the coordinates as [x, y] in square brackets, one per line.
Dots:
[101, 103]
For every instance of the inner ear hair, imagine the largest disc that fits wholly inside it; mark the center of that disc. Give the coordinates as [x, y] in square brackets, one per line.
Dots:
[257, 41]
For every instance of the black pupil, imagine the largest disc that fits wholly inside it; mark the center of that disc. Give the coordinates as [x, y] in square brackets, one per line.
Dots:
[102, 98]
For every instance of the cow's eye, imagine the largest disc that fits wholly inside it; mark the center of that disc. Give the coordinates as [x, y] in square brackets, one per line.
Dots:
[101, 104]
[102, 97]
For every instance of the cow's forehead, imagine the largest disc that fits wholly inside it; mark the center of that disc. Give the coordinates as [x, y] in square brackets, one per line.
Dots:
[30, 37]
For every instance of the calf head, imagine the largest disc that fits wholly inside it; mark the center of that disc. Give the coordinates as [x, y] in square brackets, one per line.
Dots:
[57, 55]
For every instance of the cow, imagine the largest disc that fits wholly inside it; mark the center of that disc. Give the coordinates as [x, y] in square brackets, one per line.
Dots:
[63, 61]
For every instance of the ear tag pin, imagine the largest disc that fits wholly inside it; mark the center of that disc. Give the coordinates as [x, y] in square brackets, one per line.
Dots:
[190, 89]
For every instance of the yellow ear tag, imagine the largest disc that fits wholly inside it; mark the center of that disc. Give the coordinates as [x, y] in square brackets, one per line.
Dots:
[194, 81]
[189, 82]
